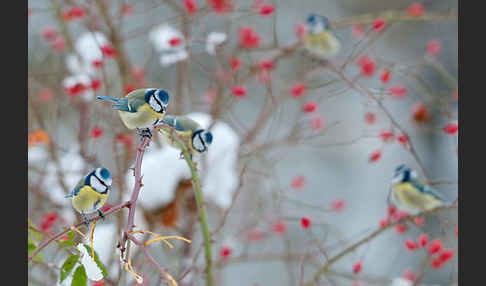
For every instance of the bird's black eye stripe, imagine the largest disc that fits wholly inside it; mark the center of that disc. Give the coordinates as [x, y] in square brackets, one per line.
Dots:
[202, 141]
[101, 181]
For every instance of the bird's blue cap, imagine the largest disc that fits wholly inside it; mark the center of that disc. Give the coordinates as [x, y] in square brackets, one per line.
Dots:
[105, 174]
[163, 95]
[313, 19]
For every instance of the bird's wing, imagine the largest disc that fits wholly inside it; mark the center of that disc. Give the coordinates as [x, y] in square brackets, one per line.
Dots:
[186, 123]
[76, 189]
[136, 100]
[175, 122]
[122, 105]
[426, 189]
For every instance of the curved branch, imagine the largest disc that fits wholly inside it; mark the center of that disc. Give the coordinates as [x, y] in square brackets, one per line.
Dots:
[335, 258]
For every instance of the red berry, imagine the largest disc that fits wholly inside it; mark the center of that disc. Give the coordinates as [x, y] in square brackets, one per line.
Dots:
[95, 83]
[279, 227]
[266, 9]
[401, 228]
[379, 24]
[235, 64]
[96, 132]
[190, 6]
[415, 10]
[220, 6]
[357, 267]
[338, 205]
[385, 76]
[436, 263]
[266, 64]
[370, 118]
[387, 136]
[384, 222]
[375, 156]
[367, 66]
[59, 44]
[397, 91]
[403, 139]
[298, 90]
[49, 33]
[423, 239]
[173, 42]
[298, 182]
[433, 47]
[446, 254]
[97, 63]
[392, 210]
[225, 252]
[300, 30]
[451, 128]
[419, 221]
[310, 106]
[410, 244]
[248, 38]
[127, 9]
[239, 91]
[317, 123]
[419, 112]
[435, 246]
[305, 222]
[108, 50]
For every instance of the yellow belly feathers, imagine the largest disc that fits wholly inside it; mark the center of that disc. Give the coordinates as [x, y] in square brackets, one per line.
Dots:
[88, 200]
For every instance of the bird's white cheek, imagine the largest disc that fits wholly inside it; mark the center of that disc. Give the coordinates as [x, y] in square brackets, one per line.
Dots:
[97, 185]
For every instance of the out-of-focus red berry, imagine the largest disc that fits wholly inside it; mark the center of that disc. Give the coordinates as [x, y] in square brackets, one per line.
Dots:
[305, 222]
[225, 252]
[433, 47]
[298, 182]
[96, 132]
[191, 6]
[435, 246]
[451, 128]
[367, 66]
[397, 91]
[385, 76]
[423, 239]
[239, 91]
[338, 205]
[357, 267]
[379, 24]
[310, 106]
[415, 10]
[248, 38]
[279, 227]
[375, 156]
[298, 90]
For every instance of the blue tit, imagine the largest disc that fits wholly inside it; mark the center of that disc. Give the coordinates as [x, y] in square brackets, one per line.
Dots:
[196, 138]
[141, 108]
[410, 194]
[91, 193]
[319, 40]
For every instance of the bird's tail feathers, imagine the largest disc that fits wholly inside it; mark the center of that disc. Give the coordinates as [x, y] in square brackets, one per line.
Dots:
[107, 98]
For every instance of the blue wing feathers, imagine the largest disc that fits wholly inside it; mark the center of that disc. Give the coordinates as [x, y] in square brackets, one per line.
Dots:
[120, 103]
[107, 98]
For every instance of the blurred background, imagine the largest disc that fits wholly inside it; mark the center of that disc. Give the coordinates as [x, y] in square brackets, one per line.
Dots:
[292, 139]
